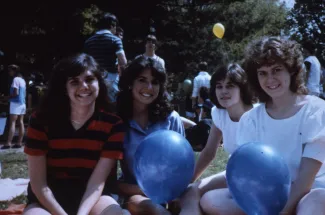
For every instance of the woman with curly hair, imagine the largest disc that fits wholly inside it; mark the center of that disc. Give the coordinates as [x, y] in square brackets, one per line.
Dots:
[143, 105]
[73, 142]
[289, 120]
[232, 97]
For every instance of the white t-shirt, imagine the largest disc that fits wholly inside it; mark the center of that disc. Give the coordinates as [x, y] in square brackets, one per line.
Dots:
[223, 122]
[313, 84]
[20, 84]
[201, 80]
[302, 135]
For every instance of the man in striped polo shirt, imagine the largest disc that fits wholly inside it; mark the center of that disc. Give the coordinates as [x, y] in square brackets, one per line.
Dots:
[104, 46]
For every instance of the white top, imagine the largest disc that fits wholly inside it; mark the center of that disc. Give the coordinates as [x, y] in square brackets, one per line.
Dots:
[222, 121]
[302, 135]
[313, 84]
[20, 84]
[154, 57]
[201, 80]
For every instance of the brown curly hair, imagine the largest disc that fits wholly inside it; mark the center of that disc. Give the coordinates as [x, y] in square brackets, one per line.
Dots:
[271, 50]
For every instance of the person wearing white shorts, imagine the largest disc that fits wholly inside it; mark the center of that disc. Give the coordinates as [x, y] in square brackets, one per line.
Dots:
[17, 107]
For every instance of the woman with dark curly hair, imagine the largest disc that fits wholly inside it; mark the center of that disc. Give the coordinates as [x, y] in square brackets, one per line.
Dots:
[232, 97]
[73, 142]
[289, 120]
[143, 104]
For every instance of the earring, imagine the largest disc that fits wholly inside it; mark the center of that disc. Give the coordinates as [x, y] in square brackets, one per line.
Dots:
[130, 87]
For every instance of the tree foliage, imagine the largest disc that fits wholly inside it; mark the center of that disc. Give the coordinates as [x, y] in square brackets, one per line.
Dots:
[186, 31]
[306, 22]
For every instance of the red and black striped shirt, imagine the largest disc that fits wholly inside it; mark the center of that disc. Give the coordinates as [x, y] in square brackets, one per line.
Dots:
[73, 154]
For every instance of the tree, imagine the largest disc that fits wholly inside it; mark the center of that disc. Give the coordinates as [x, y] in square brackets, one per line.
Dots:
[185, 30]
[306, 22]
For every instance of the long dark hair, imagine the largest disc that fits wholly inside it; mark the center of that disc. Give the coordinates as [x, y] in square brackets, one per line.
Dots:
[160, 108]
[237, 76]
[55, 105]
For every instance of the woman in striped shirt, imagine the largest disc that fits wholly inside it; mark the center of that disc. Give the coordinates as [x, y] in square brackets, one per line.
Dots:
[73, 144]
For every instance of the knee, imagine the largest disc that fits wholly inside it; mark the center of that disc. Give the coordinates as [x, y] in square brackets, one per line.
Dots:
[207, 205]
[312, 203]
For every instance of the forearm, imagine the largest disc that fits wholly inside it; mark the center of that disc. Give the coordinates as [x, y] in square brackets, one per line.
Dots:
[298, 191]
[90, 198]
[129, 189]
[205, 158]
[47, 199]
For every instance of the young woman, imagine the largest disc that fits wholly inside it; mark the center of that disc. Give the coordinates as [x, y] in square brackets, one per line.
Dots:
[230, 93]
[73, 144]
[143, 104]
[289, 121]
[17, 107]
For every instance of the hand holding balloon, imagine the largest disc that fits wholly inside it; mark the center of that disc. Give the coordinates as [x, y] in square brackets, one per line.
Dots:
[164, 165]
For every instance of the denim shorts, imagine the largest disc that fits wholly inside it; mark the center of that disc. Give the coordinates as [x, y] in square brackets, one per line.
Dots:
[111, 80]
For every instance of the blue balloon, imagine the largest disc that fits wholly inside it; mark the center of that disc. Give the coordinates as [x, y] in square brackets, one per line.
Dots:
[164, 165]
[258, 179]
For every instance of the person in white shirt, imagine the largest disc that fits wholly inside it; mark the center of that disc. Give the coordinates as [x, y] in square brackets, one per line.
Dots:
[17, 100]
[313, 69]
[151, 47]
[289, 121]
[201, 80]
[231, 94]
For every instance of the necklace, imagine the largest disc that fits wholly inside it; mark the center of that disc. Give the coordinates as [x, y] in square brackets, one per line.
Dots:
[78, 122]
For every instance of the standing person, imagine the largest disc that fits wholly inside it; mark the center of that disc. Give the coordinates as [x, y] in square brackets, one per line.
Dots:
[35, 92]
[313, 69]
[204, 104]
[73, 142]
[104, 46]
[201, 80]
[232, 97]
[17, 111]
[119, 34]
[143, 105]
[151, 47]
[289, 121]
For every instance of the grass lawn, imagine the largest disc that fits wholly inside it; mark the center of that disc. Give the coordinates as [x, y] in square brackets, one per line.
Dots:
[14, 165]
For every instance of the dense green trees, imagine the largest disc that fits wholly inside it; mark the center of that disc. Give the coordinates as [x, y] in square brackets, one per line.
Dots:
[307, 22]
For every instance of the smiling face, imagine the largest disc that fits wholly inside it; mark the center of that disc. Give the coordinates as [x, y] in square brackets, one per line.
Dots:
[145, 88]
[83, 89]
[227, 93]
[274, 80]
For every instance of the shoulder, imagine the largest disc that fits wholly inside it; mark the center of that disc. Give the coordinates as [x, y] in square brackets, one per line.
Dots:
[218, 111]
[255, 112]
[109, 117]
[315, 105]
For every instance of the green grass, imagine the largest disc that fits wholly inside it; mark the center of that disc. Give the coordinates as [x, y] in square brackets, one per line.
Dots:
[14, 165]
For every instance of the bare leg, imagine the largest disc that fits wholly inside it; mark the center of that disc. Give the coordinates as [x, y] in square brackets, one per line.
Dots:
[139, 205]
[12, 128]
[219, 202]
[35, 208]
[190, 201]
[312, 203]
[21, 129]
[106, 205]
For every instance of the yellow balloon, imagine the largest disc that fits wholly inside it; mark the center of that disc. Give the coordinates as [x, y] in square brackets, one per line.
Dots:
[219, 30]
